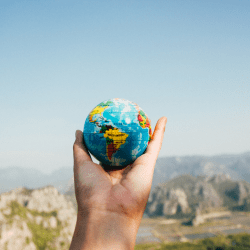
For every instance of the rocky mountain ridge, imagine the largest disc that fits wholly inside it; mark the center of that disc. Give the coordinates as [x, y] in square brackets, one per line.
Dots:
[183, 195]
[45, 219]
[36, 219]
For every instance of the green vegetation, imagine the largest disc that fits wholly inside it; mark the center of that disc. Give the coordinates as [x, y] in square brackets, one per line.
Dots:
[62, 243]
[177, 246]
[16, 209]
[230, 242]
[42, 236]
[43, 214]
[27, 240]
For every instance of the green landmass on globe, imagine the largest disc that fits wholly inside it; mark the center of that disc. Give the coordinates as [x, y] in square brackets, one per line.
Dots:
[116, 132]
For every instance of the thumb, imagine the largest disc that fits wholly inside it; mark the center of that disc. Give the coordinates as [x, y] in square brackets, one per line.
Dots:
[80, 151]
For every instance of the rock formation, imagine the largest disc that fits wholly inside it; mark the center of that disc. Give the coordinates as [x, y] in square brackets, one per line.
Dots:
[206, 194]
[239, 193]
[185, 194]
[36, 219]
[168, 202]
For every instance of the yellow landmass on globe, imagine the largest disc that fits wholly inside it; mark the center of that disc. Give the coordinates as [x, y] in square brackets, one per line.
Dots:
[118, 137]
[98, 110]
[115, 139]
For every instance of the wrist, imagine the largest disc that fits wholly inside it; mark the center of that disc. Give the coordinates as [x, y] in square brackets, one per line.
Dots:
[104, 230]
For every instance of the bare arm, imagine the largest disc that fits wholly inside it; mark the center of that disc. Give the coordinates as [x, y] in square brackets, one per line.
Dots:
[111, 203]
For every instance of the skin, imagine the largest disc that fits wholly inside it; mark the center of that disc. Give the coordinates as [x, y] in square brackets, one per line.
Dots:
[111, 202]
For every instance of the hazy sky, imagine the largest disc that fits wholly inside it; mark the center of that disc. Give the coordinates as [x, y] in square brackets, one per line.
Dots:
[186, 60]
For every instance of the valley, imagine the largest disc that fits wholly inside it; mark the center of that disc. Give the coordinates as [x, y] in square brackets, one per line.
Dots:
[154, 230]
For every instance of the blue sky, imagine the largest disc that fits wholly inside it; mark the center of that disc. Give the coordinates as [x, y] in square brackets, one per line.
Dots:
[186, 60]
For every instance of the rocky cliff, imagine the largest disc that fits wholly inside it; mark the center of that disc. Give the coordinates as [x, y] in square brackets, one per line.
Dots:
[36, 219]
[182, 195]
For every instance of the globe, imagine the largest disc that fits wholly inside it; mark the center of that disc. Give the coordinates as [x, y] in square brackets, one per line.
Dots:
[116, 132]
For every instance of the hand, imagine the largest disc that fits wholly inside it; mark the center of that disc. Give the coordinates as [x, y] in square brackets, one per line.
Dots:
[111, 203]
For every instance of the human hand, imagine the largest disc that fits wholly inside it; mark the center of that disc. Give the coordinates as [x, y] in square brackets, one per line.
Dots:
[110, 202]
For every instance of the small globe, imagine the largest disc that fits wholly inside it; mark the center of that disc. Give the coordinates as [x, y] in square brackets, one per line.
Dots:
[116, 132]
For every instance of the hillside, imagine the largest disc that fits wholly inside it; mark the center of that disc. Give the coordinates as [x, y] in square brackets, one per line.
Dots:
[45, 219]
[185, 194]
[36, 219]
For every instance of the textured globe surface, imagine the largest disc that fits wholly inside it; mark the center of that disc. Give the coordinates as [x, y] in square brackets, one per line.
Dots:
[116, 132]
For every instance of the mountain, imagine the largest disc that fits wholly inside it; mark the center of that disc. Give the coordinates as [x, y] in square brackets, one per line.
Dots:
[36, 219]
[14, 177]
[182, 196]
[236, 166]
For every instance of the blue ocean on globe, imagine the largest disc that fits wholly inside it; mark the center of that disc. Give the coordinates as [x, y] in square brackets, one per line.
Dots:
[116, 132]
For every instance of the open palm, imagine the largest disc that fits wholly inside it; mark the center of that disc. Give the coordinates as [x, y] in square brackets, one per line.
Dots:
[124, 191]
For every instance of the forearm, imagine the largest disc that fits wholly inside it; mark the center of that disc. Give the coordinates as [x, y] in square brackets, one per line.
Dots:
[104, 231]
